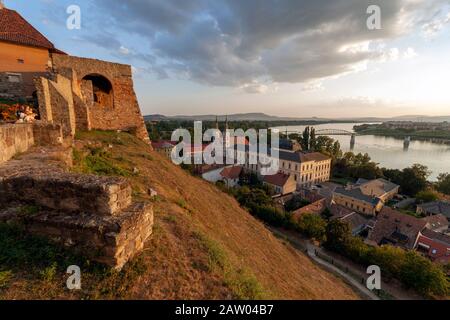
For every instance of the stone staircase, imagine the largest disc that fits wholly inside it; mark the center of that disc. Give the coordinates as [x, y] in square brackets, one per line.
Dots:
[93, 215]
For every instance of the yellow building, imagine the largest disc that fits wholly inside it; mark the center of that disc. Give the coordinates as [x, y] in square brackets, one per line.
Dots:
[307, 168]
[366, 197]
[24, 54]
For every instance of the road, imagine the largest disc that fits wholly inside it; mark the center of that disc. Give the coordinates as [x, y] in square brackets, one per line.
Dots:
[350, 272]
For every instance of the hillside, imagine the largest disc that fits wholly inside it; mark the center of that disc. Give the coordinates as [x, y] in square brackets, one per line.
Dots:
[204, 246]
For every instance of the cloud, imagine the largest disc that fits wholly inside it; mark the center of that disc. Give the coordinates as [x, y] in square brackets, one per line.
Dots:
[254, 87]
[236, 43]
[432, 28]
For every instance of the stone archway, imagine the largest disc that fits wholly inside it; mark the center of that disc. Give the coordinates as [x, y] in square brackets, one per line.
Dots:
[102, 93]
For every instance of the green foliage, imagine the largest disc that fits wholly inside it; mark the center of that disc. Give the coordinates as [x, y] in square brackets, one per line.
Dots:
[295, 203]
[48, 274]
[5, 277]
[313, 226]
[412, 269]
[357, 166]
[411, 180]
[443, 184]
[99, 161]
[427, 196]
[421, 274]
[337, 235]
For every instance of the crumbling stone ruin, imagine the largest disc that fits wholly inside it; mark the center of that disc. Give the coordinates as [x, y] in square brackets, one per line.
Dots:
[87, 94]
[95, 216]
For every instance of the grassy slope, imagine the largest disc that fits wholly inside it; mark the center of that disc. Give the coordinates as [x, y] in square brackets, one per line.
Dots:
[204, 245]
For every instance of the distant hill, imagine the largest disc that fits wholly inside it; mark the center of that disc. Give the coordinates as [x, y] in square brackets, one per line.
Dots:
[266, 117]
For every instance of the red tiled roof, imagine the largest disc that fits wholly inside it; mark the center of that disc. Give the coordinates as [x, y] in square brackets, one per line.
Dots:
[231, 172]
[317, 208]
[436, 222]
[396, 228]
[14, 28]
[162, 144]
[279, 179]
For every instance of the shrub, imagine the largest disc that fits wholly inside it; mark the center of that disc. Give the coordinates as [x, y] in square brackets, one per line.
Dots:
[422, 275]
[313, 226]
[427, 196]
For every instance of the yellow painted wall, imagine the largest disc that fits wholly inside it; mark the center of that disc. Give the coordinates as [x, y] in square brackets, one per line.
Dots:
[35, 59]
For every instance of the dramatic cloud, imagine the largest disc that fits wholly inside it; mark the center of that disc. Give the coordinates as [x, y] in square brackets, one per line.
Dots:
[250, 44]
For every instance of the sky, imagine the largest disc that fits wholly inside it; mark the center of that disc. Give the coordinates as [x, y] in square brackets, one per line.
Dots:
[290, 58]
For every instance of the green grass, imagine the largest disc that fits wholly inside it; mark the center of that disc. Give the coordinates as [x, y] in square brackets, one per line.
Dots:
[5, 277]
[99, 161]
[242, 282]
[44, 263]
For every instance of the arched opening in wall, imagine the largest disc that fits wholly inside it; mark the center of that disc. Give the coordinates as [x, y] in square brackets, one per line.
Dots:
[102, 90]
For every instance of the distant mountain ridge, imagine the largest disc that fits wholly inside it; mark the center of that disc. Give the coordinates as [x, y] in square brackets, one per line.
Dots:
[266, 117]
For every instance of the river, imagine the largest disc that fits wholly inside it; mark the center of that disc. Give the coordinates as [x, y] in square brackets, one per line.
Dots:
[390, 152]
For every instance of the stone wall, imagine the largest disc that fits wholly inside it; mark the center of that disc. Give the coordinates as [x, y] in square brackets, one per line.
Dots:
[111, 240]
[125, 114]
[14, 139]
[47, 134]
[93, 215]
[69, 192]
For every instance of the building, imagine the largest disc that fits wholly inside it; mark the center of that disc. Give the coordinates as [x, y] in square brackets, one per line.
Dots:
[434, 245]
[437, 223]
[76, 93]
[164, 147]
[282, 183]
[24, 54]
[317, 208]
[379, 188]
[357, 222]
[306, 168]
[231, 175]
[366, 197]
[436, 207]
[355, 199]
[397, 229]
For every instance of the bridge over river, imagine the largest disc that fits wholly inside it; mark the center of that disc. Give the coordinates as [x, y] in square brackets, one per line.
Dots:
[333, 132]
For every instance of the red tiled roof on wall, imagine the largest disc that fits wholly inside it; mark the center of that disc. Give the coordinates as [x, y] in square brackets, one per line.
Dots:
[14, 28]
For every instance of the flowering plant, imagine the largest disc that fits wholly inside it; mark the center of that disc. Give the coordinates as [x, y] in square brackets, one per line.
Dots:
[9, 112]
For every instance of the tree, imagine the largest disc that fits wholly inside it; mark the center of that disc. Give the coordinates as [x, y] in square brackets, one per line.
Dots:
[305, 139]
[427, 196]
[312, 140]
[423, 275]
[443, 184]
[337, 235]
[296, 202]
[313, 226]
[414, 179]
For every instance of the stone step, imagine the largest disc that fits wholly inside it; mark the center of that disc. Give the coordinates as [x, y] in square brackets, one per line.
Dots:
[110, 240]
[68, 192]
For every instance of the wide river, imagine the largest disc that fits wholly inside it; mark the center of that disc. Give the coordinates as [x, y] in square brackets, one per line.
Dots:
[390, 152]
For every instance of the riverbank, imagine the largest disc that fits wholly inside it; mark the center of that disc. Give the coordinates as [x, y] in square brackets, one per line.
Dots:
[439, 137]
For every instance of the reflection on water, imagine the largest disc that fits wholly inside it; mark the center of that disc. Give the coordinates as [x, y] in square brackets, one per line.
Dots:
[391, 152]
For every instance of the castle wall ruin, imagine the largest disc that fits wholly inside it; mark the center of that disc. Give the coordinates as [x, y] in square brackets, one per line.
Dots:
[89, 94]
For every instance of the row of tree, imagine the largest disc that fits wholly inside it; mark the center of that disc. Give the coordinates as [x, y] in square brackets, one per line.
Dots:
[411, 268]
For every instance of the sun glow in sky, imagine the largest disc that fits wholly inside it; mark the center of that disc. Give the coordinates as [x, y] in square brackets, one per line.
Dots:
[299, 58]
